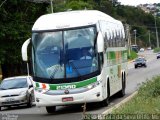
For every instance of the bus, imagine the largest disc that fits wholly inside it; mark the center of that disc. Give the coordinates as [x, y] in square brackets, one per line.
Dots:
[60, 75]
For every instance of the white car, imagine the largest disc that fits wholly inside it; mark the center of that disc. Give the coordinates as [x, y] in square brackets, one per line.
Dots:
[141, 50]
[16, 91]
[149, 48]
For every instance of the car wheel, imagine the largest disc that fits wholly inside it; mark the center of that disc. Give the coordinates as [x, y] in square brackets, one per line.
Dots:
[0, 108]
[51, 109]
[135, 66]
[29, 104]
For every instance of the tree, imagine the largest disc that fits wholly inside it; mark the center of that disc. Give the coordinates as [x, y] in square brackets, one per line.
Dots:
[17, 18]
[64, 5]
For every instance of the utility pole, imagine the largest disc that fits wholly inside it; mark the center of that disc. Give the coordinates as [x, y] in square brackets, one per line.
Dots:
[149, 39]
[156, 32]
[128, 39]
[51, 6]
[135, 42]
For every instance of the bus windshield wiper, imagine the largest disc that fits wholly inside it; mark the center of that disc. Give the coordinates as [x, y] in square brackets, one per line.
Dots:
[2, 89]
[14, 87]
[54, 70]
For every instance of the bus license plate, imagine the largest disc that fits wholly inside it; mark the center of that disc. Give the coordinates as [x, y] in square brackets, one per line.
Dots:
[66, 99]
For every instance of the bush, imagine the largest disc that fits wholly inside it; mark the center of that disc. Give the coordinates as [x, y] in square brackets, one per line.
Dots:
[147, 101]
[133, 55]
[151, 88]
[157, 50]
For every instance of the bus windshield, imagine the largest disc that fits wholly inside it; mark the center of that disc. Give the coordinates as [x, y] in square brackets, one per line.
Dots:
[67, 53]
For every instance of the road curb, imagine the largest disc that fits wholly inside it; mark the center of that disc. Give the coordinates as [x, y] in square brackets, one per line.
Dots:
[108, 111]
[130, 61]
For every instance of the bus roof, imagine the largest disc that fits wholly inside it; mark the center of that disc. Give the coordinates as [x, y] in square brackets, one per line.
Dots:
[71, 19]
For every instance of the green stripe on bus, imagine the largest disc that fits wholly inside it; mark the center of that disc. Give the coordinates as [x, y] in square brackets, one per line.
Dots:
[112, 55]
[37, 84]
[70, 85]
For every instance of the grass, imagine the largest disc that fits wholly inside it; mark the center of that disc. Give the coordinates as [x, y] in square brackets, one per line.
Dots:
[132, 56]
[156, 50]
[147, 101]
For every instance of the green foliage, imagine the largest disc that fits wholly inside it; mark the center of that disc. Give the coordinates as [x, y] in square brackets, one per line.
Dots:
[61, 5]
[17, 19]
[146, 101]
[157, 50]
[139, 20]
[133, 55]
[150, 88]
[78, 5]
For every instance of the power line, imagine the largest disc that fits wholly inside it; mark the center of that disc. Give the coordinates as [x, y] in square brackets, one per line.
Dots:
[2, 3]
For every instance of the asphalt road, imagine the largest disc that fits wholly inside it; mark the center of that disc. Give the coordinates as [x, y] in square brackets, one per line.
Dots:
[134, 79]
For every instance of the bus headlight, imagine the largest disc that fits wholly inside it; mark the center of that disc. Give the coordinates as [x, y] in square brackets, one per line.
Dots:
[91, 86]
[40, 90]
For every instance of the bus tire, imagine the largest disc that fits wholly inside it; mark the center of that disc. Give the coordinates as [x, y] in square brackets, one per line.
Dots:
[51, 109]
[105, 102]
[121, 93]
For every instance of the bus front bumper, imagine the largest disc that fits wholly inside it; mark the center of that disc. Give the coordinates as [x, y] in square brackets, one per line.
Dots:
[92, 95]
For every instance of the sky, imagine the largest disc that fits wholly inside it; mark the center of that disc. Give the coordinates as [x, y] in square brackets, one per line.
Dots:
[137, 2]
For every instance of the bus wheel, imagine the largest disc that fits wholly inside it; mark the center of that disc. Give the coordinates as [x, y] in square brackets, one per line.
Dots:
[51, 109]
[105, 102]
[121, 93]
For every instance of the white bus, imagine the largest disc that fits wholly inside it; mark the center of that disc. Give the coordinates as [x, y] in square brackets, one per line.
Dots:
[77, 57]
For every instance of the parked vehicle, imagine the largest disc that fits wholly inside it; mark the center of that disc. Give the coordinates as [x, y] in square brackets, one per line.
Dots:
[140, 62]
[158, 55]
[16, 91]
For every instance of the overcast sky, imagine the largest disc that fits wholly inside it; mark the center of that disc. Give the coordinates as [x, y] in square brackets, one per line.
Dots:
[137, 2]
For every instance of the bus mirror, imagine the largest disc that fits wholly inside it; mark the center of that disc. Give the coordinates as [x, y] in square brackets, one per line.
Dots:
[24, 50]
[100, 42]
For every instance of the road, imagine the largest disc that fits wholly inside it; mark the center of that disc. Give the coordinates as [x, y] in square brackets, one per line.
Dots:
[134, 79]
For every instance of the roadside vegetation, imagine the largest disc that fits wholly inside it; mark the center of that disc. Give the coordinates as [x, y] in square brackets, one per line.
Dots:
[147, 101]
[132, 56]
[157, 50]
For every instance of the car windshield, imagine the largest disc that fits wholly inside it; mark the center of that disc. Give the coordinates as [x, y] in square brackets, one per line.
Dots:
[65, 54]
[14, 83]
[140, 60]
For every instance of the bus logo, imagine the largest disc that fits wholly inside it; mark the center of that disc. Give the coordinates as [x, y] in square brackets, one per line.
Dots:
[66, 91]
[63, 87]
